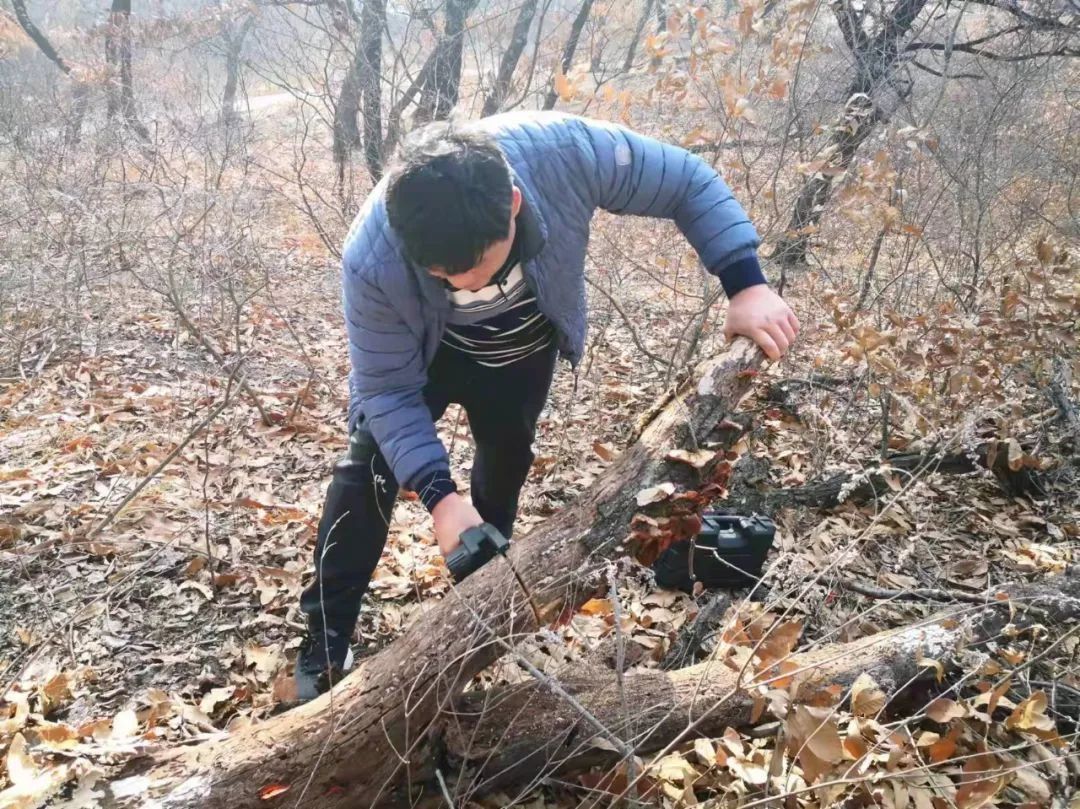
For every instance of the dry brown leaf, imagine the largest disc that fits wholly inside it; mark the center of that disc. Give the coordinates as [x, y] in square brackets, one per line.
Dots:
[208, 704]
[199, 587]
[98, 729]
[21, 769]
[758, 708]
[56, 691]
[929, 662]
[927, 738]
[563, 86]
[855, 747]
[779, 641]
[597, 606]
[675, 769]
[283, 689]
[696, 458]
[1030, 714]
[866, 698]
[705, 751]
[944, 709]
[604, 452]
[31, 786]
[812, 737]
[943, 749]
[20, 712]
[980, 781]
[56, 736]
[266, 660]
[750, 770]
[654, 494]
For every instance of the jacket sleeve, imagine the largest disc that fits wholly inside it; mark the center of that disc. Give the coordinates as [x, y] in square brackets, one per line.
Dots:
[630, 173]
[387, 381]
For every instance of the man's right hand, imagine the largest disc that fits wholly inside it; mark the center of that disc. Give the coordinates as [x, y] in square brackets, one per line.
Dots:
[453, 515]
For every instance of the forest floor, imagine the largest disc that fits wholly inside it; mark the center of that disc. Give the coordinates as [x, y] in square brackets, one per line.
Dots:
[175, 618]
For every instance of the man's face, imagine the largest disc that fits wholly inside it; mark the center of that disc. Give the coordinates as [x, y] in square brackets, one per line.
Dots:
[491, 262]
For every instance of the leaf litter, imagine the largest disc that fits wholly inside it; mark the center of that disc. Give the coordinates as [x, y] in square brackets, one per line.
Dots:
[138, 637]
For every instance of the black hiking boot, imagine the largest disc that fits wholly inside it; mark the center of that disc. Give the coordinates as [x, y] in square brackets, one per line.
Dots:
[322, 662]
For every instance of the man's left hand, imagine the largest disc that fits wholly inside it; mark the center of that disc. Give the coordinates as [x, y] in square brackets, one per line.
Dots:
[760, 314]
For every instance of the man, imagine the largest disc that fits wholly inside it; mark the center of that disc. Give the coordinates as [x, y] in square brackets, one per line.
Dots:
[463, 281]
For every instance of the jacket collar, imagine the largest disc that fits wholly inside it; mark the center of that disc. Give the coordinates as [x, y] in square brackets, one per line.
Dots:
[534, 234]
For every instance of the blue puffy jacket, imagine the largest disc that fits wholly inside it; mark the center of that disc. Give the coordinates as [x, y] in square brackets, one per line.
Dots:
[566, 167]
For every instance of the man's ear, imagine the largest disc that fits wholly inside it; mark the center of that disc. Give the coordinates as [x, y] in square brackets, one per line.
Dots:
[515, 201]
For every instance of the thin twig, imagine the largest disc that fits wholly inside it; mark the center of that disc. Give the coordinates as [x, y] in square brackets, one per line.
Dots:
[629, 323]
[442, 787]
[914, 594]
[192, 434]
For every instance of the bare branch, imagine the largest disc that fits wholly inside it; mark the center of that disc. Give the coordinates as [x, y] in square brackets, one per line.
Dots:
[38, 37]
[967, 47]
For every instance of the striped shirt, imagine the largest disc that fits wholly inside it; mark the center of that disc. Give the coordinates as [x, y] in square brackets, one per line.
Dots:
[500, 323]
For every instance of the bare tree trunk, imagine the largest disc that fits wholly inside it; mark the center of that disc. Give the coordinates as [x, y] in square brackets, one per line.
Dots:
[234, 44]
[443, 82]
[393, 118]
[80, 93]
[646, 13]
[571, 48]
[346, 111]
[361, 90]
[510, 58]
[372, 23]
[121, 98]
[366, 740]
[876, 58]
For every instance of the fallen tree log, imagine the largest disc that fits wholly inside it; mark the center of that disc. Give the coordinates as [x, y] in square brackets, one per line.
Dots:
[362, 744]
[872, 483]
[513, 734]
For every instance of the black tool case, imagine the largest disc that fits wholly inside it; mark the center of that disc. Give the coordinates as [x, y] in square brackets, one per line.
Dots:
[729, 551]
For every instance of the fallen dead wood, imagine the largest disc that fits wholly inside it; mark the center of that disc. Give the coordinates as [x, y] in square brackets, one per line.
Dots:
[365, 742]
[894, 471]
[511, 735]
[1068, 412]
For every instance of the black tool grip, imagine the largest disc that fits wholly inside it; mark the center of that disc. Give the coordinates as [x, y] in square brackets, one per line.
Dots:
[479, 545]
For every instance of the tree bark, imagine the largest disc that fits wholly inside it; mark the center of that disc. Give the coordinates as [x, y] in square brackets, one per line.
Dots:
[876, 60]
[346, 133]
[234, 43]
[121, 95]
[510, 58]
[361, 87]
[38, 38]
[512, 734]
[363, 743]
[571, 48]
[443, 82]
[646, 13]
[372, 23]
[80, 94]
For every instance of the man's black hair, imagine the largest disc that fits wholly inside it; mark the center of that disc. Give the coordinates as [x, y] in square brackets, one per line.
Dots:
[449, 197]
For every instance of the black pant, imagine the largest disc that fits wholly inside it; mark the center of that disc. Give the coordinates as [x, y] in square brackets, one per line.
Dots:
[503, 405]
